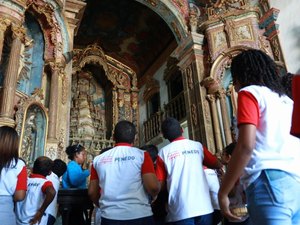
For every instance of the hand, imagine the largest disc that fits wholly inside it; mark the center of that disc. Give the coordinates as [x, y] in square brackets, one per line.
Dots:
[224, 206]
[37, 218]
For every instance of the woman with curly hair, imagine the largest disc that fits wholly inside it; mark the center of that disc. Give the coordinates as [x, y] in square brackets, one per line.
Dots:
[266, 155]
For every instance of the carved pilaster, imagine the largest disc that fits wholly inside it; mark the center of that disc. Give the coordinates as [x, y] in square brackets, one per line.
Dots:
[190, 57]
[10, 78]
[217, 130]
[53, 105]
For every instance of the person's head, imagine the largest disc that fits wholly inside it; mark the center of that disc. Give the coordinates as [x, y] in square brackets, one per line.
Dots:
[227, 152]
[105, 150]
[286, 81]
[171, 128]
[124, 132]
[254, 67]
[42, 166]
[59, 167]
[9, 146]
[76, 153]
[152, 150]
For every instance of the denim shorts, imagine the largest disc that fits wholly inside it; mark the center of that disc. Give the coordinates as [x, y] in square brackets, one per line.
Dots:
[274, 199]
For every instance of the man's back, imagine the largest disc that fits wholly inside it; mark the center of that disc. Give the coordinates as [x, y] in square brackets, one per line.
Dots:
[120, 177]
[181, 161]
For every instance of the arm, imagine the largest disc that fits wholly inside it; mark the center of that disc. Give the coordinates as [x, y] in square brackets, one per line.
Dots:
[210, 160]
[149, 178]
[21, 187]
[50, 194]
[240, 158]
[76, 175]
[161, 172]
[94, 189]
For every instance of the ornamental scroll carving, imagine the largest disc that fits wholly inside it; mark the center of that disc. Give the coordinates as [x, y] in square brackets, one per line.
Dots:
[123, 81]
[32, 126]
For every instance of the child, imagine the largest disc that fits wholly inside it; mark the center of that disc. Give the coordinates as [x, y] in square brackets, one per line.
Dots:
[40, 193]
[58, 169]
[160, 204]
[237, 196]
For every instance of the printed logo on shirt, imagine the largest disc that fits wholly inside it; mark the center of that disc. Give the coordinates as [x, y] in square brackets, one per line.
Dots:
[125, 158]
[188, 152]
[173, 155]
[33, 184]
[107, 159]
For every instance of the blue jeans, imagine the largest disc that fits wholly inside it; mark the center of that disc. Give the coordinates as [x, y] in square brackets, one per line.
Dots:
[198, 220]
[141, 221]
[274, 199]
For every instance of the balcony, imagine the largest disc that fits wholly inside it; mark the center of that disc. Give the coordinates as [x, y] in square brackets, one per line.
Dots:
[175, 108]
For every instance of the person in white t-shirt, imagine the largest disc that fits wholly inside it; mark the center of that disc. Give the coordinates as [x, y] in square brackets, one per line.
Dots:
[58, 169]
[40, 193]
[266, 156]
[13, 175]
[179, 167]
[126, 177]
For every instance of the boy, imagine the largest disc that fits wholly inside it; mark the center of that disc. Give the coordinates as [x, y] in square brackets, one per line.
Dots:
[40, 193]
[58, 169]
[126, 176]
[237, 196]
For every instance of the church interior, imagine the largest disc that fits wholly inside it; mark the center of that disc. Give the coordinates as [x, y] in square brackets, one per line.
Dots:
[71, 69]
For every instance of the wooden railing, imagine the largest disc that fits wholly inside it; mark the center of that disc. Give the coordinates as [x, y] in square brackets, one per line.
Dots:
[175, 108]
[93, 146]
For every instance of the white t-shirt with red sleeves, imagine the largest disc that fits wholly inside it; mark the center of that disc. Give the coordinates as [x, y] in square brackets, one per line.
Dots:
[180, 164]
[119, 172]
[275, 147]
[13, 178]
[26, 209]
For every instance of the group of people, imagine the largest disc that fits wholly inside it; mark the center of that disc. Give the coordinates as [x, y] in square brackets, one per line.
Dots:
[261, 184]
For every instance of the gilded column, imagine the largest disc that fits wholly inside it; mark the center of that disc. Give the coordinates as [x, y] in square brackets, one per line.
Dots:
[222, 96]
[53, 104]
[217, 130]
[3, 25]
[11, 75]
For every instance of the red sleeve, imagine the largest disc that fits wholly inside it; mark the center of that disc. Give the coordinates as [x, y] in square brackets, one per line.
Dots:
[22, 180]
[161, 172]
[147, 166]
[46, 185]
[210, 160]
[94, 175]
[295, 129]
[247, 110]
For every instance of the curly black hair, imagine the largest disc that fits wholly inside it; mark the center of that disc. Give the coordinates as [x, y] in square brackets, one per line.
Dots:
[254, 67]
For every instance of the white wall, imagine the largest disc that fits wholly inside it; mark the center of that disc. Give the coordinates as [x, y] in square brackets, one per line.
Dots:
[289, 27]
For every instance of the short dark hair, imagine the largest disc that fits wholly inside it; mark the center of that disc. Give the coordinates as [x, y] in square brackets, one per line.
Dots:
[153, 151]
[254, 67]
[73, 149]
[171, 128]
[42, 165]
[124, 132]
[229, 148]
[59, 167]
[286, 82]
[105, 150]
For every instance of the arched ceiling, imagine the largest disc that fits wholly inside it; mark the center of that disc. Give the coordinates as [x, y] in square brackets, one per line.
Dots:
[126, 30]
